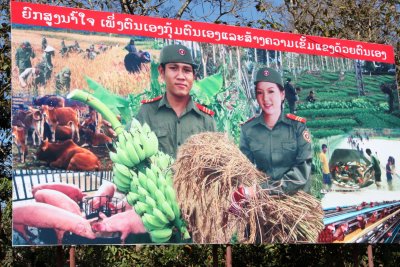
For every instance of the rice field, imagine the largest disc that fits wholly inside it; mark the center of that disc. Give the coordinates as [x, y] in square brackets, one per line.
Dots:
[107, 68]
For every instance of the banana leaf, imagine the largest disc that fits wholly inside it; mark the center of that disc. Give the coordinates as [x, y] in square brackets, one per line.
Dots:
[118, 104]
[206, 89]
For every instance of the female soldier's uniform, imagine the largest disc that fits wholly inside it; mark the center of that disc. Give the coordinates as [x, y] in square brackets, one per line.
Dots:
[284, 152]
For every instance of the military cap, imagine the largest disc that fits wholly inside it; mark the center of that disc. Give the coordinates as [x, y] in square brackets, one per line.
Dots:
[268, 75]
[176, 53]
[26, 44]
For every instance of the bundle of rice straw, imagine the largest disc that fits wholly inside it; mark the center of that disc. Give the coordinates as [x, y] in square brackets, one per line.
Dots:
[208, 169]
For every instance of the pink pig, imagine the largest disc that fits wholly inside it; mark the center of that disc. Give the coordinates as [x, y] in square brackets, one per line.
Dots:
[43, 215]
[126, 222]
[74, 192]
[58, 199]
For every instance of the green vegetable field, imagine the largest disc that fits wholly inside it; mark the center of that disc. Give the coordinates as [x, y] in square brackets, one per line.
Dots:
[338, 108]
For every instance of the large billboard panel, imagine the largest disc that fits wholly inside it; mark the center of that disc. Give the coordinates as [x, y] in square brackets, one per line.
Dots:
[131, 130]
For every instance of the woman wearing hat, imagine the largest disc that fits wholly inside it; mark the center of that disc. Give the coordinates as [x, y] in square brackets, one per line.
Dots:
[278, 144]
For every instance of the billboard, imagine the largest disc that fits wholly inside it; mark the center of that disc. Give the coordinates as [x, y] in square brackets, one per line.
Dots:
[132, 130]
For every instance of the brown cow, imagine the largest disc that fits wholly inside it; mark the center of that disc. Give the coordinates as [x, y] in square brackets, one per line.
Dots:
[18, 134]
[31, 118]
[68, 155]
[65, 132]
[61, 116]
[95, 139]
[95, 119]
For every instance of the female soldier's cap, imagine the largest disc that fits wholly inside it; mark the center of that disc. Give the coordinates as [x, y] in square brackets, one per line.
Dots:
[268, 75]
[176, 53]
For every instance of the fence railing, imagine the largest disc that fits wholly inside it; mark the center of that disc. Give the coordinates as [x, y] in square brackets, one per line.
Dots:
[23, 180]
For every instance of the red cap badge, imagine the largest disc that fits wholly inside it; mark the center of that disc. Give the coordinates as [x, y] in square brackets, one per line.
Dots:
[182, 52]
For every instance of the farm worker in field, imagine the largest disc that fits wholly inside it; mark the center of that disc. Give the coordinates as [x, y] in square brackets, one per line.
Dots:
[64, 48]
[311, 98]
[376, 166]
[44, 43]
[389, 92]
[390, 169]
[291, 95]
[130, 47]
[278, 144]
[326, 174]
[76, 46]
[47, 63]
[63, 81]
[29, 79]
[23, 56]
[298, 91]
[174, 116]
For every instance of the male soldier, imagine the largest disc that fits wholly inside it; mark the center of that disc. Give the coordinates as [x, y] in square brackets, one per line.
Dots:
[174, 116]
[23, 56]
[63, 81]
[47, 63]
[326, 175]
[291, 95]
[44, 43]
[76, 46]
[376, 166]
[64, 48]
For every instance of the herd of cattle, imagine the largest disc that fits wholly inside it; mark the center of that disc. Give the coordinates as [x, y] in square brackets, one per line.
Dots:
[61, 129]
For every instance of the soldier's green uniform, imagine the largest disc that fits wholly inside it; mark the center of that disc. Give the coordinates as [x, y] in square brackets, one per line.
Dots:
[63, 81]
[47, 63]
[376, 166]
[23, 57]
[284, 153]
[172, 131]
[44, 43]
[64, 48]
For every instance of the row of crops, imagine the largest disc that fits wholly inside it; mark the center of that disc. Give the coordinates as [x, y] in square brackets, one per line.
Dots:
[338, 108]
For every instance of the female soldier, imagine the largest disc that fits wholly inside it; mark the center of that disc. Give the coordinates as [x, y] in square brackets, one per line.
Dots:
[278, 145]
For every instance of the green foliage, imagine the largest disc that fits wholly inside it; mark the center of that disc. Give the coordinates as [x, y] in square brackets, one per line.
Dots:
[334, 112]
[118, 104]
[317, 133]
[5, 220]
[331, 123]
[207, 88]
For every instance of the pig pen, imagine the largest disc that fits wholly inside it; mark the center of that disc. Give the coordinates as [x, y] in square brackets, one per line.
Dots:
[88, 183]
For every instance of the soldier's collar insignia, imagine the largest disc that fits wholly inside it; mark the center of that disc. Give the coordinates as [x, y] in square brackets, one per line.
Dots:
[182, 52]
[252, 118]
[146, 101]
[307, 136]
[205, 110]
[295, 118]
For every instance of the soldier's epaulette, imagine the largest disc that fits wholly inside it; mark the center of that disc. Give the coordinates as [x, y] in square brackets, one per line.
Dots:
[252, 118]
[295, 118]
[146, 101]
[205, 110]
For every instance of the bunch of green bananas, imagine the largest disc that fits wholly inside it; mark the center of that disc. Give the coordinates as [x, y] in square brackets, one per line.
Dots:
[132, 148]
[153, 197]
[142, 172]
